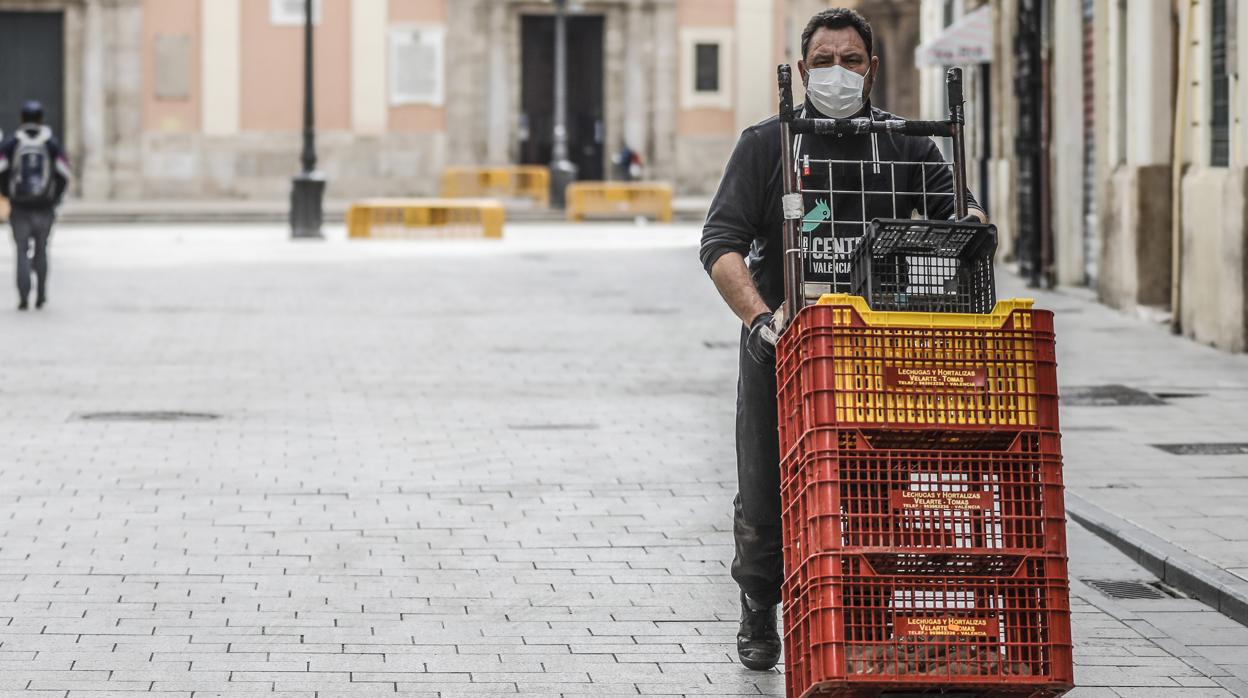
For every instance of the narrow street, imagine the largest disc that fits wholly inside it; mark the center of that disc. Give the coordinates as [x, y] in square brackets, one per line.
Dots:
[236, 465]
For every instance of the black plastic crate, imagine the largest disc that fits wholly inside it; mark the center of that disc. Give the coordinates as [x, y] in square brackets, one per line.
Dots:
[926, 266]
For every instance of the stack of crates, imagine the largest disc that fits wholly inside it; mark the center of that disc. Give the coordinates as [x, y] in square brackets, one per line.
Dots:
[921, 484]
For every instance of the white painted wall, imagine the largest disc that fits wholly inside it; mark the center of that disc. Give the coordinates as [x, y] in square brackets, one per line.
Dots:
[756, 68]
[1066, 148]
[368, 66]
[931, 78]
[1196, 145]
[221, 67]
[1150, 80]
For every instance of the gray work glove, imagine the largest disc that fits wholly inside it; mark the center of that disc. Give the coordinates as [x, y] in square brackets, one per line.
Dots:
[761, 342]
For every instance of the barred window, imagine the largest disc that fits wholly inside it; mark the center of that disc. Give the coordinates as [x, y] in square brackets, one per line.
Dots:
[1220, 89]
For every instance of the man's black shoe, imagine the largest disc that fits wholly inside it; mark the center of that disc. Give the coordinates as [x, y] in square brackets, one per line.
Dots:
[23, 305]
[41, 301]
[758, 643]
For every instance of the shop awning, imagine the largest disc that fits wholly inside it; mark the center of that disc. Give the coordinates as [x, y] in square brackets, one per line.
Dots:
[968, 40]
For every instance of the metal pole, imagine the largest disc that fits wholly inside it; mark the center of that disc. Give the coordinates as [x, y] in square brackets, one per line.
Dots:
[309, 98]
[794, 283]
[562, 171]
[308, 191]
[1028, 88]
[957, 115]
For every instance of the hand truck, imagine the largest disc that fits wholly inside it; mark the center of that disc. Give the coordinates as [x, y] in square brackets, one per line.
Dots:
[878, 408]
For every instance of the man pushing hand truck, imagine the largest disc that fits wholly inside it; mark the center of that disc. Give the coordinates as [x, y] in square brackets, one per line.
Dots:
[899, 471]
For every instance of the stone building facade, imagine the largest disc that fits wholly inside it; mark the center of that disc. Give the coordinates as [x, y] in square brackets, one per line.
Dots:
[1145, 141]
[181, 99]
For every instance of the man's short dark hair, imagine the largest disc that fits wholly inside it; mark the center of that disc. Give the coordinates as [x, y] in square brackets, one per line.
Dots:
[837, 18]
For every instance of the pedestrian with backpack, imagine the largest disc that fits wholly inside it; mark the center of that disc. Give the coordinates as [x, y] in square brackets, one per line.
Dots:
[34, 174]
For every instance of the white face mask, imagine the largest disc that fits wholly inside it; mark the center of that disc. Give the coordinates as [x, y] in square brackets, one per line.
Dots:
[836, 92]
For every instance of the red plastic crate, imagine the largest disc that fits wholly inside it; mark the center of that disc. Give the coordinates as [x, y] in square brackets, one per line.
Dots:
[851, 630]
[843, 365]
[839, 494]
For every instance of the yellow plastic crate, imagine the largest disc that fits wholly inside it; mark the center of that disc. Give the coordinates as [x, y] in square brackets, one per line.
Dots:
[843, 365]
[891, 318]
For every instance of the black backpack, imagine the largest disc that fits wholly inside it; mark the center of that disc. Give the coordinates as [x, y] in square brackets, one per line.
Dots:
[31, 179]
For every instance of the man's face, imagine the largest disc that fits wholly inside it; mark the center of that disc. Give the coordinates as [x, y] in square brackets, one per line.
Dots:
[843, 47]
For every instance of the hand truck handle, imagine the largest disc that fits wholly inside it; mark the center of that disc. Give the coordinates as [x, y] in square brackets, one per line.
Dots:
[785, 80]
[841, 127]
[957, 119]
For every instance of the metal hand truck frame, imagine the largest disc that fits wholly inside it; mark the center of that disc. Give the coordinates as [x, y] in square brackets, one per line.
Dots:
[796, 293]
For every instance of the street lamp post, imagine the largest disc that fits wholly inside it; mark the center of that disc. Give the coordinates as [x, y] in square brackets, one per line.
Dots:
[562, 170]
[308, 192]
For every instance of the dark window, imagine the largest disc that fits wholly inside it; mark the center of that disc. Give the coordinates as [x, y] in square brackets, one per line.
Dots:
[1220, 86]
[706, 68]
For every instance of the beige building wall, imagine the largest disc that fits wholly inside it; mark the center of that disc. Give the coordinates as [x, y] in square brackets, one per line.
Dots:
[172, 26]
[203, 98]
[896, 26]
[1136, 107]
[1213, 255]
[706, 126]
[272, 76]
[414, 118]
[758, 35]
[1135, 256]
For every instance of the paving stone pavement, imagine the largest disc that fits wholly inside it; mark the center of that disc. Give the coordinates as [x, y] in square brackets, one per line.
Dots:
[1196, 502]
[457, 469]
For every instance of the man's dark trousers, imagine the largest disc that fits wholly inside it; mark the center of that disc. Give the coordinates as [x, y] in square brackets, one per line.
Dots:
[31, 225]
[758, 566]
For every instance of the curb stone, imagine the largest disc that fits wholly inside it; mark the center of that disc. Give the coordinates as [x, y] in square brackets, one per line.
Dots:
[1193, 575]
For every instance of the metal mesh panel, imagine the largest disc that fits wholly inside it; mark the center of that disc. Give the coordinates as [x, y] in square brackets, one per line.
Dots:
[842, 197]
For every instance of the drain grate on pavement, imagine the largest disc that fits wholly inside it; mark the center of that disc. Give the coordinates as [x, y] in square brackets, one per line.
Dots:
[1131, 589]
[1108, 396]
[1208, 449]
[148, 416]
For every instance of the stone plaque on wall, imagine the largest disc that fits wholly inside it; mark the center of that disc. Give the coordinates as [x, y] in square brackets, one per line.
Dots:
[173, 67]
[416, 64]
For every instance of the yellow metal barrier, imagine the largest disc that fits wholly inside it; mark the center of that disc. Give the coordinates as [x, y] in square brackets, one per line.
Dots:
[516, 182]
[425, 219]
[652, 199]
